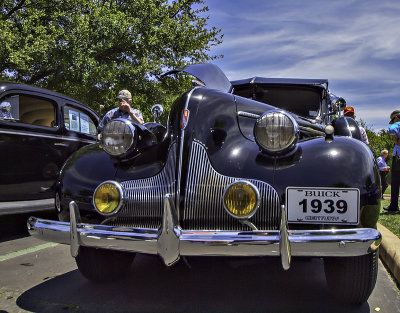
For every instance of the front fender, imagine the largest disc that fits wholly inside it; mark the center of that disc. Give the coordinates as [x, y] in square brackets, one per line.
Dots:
[344, 162]
[80, 176]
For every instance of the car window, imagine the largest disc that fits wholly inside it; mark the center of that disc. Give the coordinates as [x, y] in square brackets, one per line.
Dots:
[28, 110]
[302, 101]
[77, 120]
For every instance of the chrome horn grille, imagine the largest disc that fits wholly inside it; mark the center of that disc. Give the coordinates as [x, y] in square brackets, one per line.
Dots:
[203, 208]
[203, 205]
[145, 197]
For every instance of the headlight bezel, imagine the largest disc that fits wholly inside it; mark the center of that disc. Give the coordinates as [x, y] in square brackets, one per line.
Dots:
[122, 198]
[132, 142]
[256, 207]
[290, 145]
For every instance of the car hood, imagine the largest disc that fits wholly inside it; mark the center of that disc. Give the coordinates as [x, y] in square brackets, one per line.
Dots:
[209, 74]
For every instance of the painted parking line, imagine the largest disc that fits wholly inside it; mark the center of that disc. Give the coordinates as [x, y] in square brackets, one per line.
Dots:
[26, 251]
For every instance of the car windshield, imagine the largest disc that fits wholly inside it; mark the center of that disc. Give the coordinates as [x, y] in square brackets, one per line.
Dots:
[301, 100]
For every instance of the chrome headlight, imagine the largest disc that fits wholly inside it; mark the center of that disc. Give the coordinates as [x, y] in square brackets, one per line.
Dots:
[108, 197]
[118, 137]
[276, 131]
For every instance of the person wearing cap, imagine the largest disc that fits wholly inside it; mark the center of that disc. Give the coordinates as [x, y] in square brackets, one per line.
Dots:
[349, 112]
[124, 110]
[5, 110]
[394, 131]
[383, 169]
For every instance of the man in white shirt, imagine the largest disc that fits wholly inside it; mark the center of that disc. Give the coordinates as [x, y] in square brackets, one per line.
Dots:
[383, 169]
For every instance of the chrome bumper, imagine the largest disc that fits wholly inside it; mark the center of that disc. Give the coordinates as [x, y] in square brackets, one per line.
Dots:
[170, 241]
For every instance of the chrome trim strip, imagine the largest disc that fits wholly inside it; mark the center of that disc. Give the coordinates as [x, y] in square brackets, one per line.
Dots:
[14, 207]
[177, 198]
[248, 114]
[32, 134]
[311, 243]
[310, 130]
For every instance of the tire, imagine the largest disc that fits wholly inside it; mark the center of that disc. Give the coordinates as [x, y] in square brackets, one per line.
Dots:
[100, 265]
[352, 279]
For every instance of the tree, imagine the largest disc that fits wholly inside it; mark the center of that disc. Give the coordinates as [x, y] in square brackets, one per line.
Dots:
[89, 49]
[378, 141]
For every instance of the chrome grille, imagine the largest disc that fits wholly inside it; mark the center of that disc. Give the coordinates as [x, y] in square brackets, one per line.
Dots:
[144, 197]
[203, 208]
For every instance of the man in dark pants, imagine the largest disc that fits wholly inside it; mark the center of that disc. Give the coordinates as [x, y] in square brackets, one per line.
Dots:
[394, 131]
[383, 169]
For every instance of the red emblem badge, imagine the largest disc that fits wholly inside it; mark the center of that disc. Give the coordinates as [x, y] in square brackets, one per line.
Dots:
[185, 118]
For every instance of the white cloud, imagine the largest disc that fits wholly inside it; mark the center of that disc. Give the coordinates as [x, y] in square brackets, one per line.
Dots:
[347, 45]
[355, 44]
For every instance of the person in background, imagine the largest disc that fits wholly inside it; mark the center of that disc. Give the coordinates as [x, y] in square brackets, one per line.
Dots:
[5, 110]
[394, 131]
[349, 112]
[383, 169]
[124, 110]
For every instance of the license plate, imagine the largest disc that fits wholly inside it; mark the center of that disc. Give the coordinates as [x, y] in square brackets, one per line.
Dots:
[323, 205]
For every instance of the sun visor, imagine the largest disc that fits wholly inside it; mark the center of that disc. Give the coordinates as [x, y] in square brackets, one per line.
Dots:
[209, 74]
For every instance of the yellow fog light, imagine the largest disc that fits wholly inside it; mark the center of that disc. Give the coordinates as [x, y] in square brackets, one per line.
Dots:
[108, 197]
[241, 199]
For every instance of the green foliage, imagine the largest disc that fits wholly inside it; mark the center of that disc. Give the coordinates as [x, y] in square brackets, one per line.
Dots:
[89, 49]
[380, 141]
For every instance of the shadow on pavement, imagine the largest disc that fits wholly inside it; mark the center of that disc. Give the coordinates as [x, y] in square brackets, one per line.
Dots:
[211, 285]
[14, 226]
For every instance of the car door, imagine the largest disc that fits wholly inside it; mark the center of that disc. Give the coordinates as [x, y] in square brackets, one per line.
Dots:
[33, 145]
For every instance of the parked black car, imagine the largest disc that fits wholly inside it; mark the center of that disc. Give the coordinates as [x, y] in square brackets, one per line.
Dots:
[257, 167]
[39, 130]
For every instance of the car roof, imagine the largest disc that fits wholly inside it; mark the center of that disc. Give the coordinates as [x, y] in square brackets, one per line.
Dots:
[288, 81]
[6, 86]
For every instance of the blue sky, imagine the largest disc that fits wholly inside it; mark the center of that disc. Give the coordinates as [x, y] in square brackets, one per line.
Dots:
[354, 44]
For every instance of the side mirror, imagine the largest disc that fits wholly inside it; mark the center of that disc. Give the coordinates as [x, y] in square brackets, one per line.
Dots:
[338, 103]
[156, 111]
[341, 103]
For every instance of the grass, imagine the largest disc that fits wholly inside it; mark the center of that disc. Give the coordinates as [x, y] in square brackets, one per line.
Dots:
[389, 220]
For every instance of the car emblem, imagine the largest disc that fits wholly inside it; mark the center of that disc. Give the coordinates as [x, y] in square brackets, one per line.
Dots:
[185, 118]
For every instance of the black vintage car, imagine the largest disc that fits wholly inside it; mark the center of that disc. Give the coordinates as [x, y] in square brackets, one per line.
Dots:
[39, 130]
[257, 167]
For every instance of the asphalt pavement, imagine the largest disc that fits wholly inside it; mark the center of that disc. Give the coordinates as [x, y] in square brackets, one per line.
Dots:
[37, 276]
